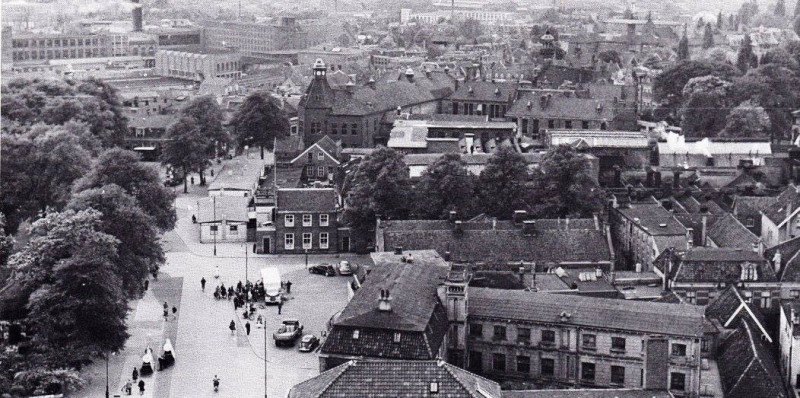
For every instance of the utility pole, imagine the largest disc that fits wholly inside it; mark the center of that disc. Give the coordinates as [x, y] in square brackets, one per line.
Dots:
[245, 264]
[265, 360]
[214, 200]
[107, 393]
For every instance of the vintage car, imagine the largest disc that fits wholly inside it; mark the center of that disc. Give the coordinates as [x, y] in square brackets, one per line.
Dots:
[288, 333]
[344, 268]
[323, 269]
[308, 343]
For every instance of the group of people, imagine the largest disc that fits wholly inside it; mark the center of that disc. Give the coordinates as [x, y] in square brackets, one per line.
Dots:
[244, 292]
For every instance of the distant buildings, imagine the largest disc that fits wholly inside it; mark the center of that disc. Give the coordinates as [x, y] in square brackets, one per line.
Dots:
[255, 39]
[198, 65]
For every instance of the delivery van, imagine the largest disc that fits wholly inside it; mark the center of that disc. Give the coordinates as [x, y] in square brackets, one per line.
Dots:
[272, 285]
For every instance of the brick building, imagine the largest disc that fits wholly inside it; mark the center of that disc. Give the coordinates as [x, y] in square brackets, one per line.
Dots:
[305, 222]
[319, 161]
[487, 98]
[642, 231]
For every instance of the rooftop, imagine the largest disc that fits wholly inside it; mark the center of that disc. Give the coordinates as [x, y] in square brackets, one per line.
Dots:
[217, 208]
[588, 393]
[654, 219]
[306, 199]
[583, 139]
[747, 367]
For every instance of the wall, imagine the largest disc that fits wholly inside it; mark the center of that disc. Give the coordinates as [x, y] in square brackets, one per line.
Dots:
[224, 232]
[281, 229]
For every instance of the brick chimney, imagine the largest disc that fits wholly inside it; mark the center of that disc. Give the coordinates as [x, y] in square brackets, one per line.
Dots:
[457, 227]
[676, 179]
[410, 75]
[385, 301]
[453, 216]
[529, 227]
[520, 216]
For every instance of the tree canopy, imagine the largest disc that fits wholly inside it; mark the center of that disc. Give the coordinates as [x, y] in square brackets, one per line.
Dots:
[668, 86]
[445, 186]
[747, 120]
[380, 186]
[183, 151]
[563, 187]
[503, 184]
[259, 121]
[746, 58]
[705, 106]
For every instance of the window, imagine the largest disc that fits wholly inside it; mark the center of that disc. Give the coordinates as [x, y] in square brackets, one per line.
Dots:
[589, 341]
[334, 128]
[320, 155]
[499, 362]
[310, 157]
[233, 229]
[704, 346]
[551, 124]
[548, 337]
[353, 128]
[476, 330]
[434, 387]
[306, 240]
[499, 333]
[523, 364]
[356, 333]
[585, 124]
[679, 350]
[617, 375]
[306, 220]
[749, 222]
[568, 124]
[677, 381]
[794, 294]
[320, 171]
[618, 344]
[749, 272]
[587, 371]
[214, 230]
[397, 336]
[323, 240]
[323, 220]
[288, 241]
[524, 334]
[455, 108]
[548, 367]
[288, 220]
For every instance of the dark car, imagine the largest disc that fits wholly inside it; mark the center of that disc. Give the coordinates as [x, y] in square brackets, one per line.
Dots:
[288, 333]
[323, 269]
[308, 343]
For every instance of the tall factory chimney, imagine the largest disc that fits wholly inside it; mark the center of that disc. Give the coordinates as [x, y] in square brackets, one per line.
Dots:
[137, 15]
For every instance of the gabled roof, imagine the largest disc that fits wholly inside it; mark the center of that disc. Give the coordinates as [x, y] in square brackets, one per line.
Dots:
[306, 199]
[752, 205]
[727, 231]
[218, 208]
[729, 307]
[327, 145]
[640, 316]
[560, 106]
[588, 393]
[715, 265]
[747, 367]
[485, 91]
[392, 378]
[789, 259]
[654, 218]
[786, 203]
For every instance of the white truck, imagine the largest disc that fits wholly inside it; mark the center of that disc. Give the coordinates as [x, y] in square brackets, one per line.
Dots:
[272, 285]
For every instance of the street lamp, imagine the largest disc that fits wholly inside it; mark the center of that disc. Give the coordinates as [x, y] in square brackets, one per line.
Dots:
[306, 251]
[265, 359]
[214, 200]
[107, 393]
[246, 279]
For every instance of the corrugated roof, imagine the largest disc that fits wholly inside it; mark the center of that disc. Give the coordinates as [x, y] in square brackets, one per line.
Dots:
[640, 316]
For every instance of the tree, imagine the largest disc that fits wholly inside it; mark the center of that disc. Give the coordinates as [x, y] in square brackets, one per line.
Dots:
[445, 186]
[747, 120]
[139, 250]
[797, 9]
[780, 8]
[123, 168]
[470, 29]
[683, 47]
[209, 134]
[708, 37]
[503, 184]
[259, 121]
[563, 187]
[610, 56]
[668, 86]
[705, 106]
[182, 151]
[6, 243]
[774, 88]
[746, 58]
[781, 57]
[720, 20]
[380, 186]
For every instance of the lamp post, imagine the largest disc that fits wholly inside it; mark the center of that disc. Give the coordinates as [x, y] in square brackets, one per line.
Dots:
[107, 393]
[306, 251]
[214, 200]
[246, 279]
[265, 360]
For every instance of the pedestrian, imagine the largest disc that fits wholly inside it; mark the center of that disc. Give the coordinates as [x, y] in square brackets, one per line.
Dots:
[146, 284]
[166, 306]
[166, 315]
[192, 178]
[141, 387]
[203, 283]
[280, 306]
[194, 219]
[135, 374]
[288, 286]
[232, 327]
[127, 388]
[247, 326]
[230, 293]
[174, 312]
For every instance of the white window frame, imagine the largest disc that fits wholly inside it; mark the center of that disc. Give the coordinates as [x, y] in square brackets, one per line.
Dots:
[288, 220]
[320, 171]
[307, 220]
[307, 237]
[233, 230]
[324, 241]
[320, 155]
[324, 220]
[288, 241]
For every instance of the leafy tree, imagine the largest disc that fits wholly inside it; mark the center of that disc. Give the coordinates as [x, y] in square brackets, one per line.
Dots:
[746, 12]
[445, 186]
[123, 168]
[708, 36]
[797, 9]
[209, 133]
[781, 57]
[720, 20]
[139, 250]
[747, 120]
[774, 88]
[6, 243]
[259, 121]
[37, 169]
[182, 151]
[746, 58]
[683, 47]
[668, 86]
[503, 184]
[380, 186]
[796, 25]
[563, 187]
[705, 106]
[780, 8]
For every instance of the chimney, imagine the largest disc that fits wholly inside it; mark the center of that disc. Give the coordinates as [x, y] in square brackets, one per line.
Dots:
[137, 15]
[650, 178]
[520, 216]
[453, 216]
[457, 227]
[667, 204]
[703, 231]
[543, 101]
[398, 111]
[566, 223]
[427, 73]
[447, 256]
[656, 363]
[371, 83]
[470, 141]
[676, 179]
[529, 227]
[410, 75]
[398, 250]
[776, 260]
[385, 301]
[657, 179]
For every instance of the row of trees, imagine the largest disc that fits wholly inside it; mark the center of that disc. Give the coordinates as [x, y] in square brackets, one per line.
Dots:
[750, 99]
[96, 216]
[560, 187]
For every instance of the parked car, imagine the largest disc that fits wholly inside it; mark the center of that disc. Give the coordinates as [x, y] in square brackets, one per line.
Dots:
[344, 268]
[323, 269]
[288, 333]
[308, 343]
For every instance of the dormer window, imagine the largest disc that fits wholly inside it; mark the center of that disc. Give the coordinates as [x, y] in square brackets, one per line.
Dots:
[397, 336]
[749, 272]
[355, 334]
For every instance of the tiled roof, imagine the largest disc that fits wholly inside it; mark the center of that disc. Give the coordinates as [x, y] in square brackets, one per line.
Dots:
[789, 258]
[502, 246]
[216, 208]
[151, 121]
[785, 203]
[425, 257]
[641, 316]
[751, 205]
[489, 224]
[727, 231]
[291, 145]
[747, 367]
[485, 91]
[588, 393]
[306, 199]
[654, 218]
[391, 378]
[598, 139]
[704, 264]
[729, 307]
[562, 107]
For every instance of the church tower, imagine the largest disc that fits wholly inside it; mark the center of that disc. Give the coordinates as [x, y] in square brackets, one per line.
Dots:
[456, 300]
[315, 106]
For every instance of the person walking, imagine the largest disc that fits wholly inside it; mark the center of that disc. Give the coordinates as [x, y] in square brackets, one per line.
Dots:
[174, 312]
[288, 286]
[232, 327]
[135, 374]
[127, 388]
[146, 284]
[166, 315]
[247, 327]
[280, 305]
[141, 387]
[203, 284]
